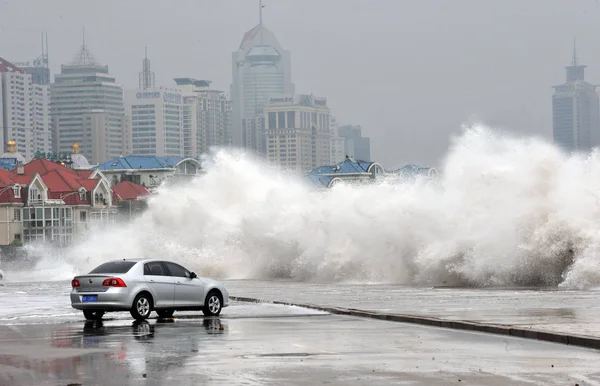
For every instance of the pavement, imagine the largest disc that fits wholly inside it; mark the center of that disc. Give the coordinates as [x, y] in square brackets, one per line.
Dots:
[281, 346]
[545, 309]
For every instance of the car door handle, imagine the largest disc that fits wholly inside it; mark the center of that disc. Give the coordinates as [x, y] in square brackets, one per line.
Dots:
[152, 280]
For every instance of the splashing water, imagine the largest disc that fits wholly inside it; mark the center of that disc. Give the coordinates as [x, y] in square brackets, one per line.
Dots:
[505, 211]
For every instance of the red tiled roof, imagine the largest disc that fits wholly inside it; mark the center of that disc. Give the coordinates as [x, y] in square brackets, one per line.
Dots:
[22, 178]
[6, 178]
[43, 166]
[6, 66]
[56, 183]
[84, 173]
[127, 190]
[89, 185]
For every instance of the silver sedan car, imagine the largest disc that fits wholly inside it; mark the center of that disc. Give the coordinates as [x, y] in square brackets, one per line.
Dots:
[143, 286]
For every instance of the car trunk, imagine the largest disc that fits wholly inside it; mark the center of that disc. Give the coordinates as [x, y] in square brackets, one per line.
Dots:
[92, 283]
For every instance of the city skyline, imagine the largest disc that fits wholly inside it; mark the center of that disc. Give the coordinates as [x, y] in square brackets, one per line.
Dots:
[449, 72]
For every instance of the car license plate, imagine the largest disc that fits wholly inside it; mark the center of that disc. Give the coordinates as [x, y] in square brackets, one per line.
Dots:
[89, 298]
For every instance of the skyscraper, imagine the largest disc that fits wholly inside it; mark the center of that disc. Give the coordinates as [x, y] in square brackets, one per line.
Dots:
[261, 70]
[206, 117]
[576, 111]
[298, 133]
[355, 145]
[24, 111]
[87, 108]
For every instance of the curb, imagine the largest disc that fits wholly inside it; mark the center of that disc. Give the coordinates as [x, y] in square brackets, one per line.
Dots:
[547, 336]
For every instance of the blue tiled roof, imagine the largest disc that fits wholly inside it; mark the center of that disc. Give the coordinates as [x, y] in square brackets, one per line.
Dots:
[8, 163]
[140, 162]
[323, 175]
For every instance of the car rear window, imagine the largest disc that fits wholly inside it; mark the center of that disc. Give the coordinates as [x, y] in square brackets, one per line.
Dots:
[114, 267]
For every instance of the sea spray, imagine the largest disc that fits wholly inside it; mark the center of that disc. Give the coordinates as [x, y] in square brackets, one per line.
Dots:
[505, 211]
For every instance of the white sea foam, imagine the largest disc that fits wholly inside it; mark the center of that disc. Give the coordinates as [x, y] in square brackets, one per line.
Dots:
[505, 211]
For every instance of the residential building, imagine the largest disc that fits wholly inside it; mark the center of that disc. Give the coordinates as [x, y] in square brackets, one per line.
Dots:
[298, 134]
[47, 202]
[131, 199]
[355, 145]
[24, 111]
[155, 122]
[148, 171]
[87, 108]
[207, 117]
[261, 70]
[576, 111]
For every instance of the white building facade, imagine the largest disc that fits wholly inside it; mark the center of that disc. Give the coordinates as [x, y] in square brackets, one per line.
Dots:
[24, 113]
[207, 117]
[298, 132]
[261, 70]
[155, 122]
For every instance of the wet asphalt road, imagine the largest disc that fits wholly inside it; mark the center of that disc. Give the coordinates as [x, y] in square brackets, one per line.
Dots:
[43, 341]
[278, 345]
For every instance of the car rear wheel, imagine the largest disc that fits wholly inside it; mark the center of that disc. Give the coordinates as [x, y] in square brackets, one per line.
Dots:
[142, 307]
[213, 304]
[93, 315]
[165, 313]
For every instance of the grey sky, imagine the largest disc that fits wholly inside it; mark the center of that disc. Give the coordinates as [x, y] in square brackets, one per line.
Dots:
[410, 72]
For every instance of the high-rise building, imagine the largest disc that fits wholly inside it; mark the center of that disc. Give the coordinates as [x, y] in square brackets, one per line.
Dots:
[155, 121]
[298, 132]
[576, 111]
[87, 108]
[24, 111]
[261, 70]
[355, 145]
[154, 117]
[206, 117]
[337, 143]
[255, 132]
[38, 68]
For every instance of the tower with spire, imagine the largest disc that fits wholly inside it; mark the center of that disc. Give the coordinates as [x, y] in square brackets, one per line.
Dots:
[261, 70]
[95, 119]
[146, 76]
[576, 110]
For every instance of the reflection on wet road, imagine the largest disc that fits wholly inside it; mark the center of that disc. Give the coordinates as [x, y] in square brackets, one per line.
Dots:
[282, 347]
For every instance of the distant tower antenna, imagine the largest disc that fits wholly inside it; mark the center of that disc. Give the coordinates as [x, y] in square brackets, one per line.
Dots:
[574, 52]
[260, 19]
[146, 76]
[261, 6]
[83, 57]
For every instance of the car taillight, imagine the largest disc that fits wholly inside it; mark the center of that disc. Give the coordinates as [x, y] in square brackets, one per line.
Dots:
[113, 282]
[75, 283]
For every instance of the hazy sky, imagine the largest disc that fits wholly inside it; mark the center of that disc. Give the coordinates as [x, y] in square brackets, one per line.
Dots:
[409, 72]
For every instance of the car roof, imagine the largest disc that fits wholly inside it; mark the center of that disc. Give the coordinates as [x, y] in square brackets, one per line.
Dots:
[134, 260]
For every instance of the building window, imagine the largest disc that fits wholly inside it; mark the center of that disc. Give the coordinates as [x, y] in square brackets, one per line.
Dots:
[291, 119]
[82, 196]
[33, 194]
[17, 215]
[281, 120]
[17, 191]
[83, 216]
[272, 121]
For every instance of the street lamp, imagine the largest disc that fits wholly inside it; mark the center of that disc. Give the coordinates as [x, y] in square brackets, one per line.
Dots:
[78, 191]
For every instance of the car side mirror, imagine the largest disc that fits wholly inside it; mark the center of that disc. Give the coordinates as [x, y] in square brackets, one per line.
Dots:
[193, 275]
